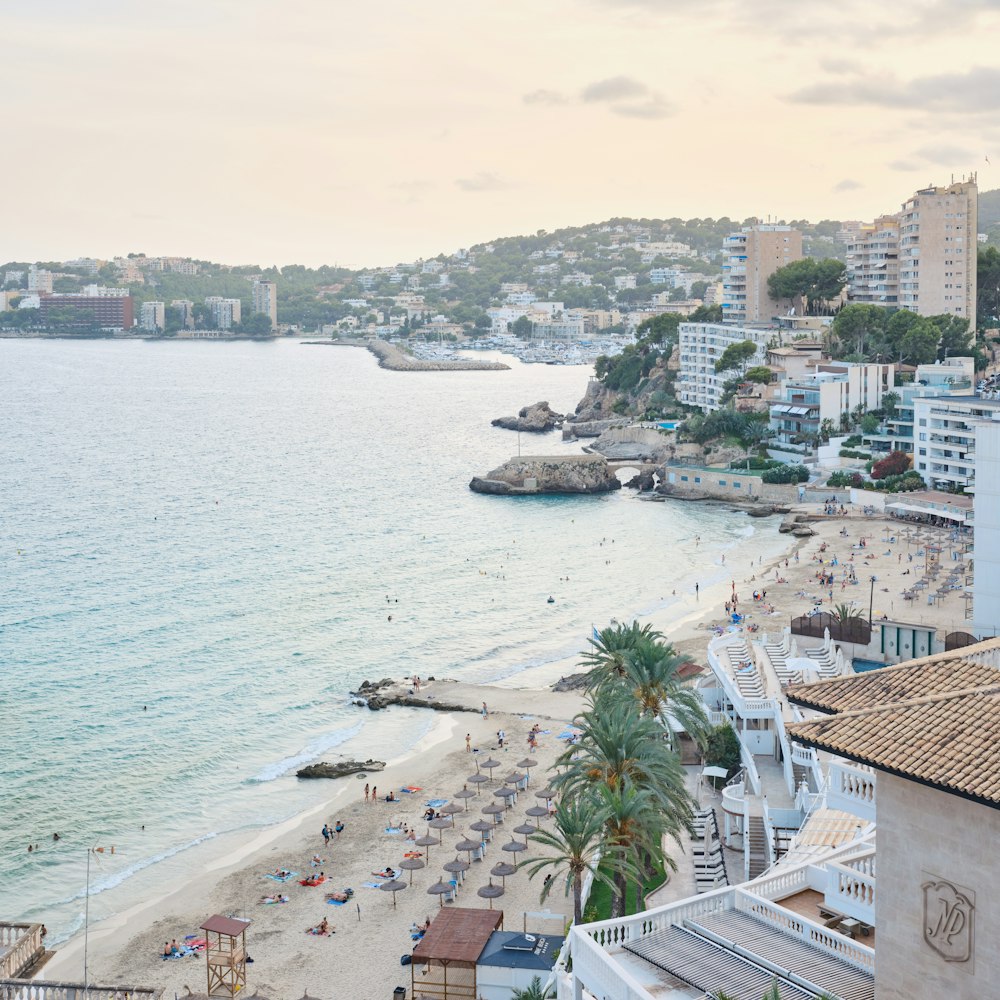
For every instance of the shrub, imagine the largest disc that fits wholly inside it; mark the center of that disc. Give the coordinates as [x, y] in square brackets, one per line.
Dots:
[852, 441]
[722, 748]
[754, 463]
[850, 453]
[843, 477]
[894, 464]
[786, 474]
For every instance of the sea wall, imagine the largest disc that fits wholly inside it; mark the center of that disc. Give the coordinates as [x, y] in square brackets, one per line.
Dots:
[394, 358]
[724, 484]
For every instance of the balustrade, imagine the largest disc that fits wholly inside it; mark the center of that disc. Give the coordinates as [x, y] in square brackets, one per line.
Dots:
[853, 789]
[22, 944]
[40, 989]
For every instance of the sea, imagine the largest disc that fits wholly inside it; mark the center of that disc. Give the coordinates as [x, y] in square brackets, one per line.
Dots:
[204, 547]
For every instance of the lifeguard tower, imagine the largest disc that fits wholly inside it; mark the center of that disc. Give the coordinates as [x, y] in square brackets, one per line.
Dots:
[226, 954]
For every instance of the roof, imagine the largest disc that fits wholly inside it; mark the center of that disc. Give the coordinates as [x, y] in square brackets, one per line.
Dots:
[229, 926]
[458, 935]
[935, 721]
[939, 496]
[539, 958]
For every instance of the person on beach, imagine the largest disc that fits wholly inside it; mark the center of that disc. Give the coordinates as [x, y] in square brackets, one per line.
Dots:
[166, 949]
[338, 828]
[366, 792]
[468, 742]
[485, 713]
[326, 834]
[500, 737]
[374, 794]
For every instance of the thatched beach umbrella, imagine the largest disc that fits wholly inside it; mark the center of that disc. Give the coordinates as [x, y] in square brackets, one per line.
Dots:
[527, 764]
[477, 780]
[490, 764]
[514, 778]
[466, 794]
[469, 845]
[456, 867]
[502, 869]
[411, 865]
[481, 826]
[439, 889]
[546, 793]
[536, 812]
[495, 810]
[441, 823]
[525, 829]
[514, 847]
[490, 892]
[451, 808]
[427, 841]
[394, 885]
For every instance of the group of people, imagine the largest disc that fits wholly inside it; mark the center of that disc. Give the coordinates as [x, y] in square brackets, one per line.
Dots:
[329, 833]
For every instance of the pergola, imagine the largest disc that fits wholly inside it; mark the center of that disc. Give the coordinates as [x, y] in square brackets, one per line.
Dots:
[226, 955]
[443, 965]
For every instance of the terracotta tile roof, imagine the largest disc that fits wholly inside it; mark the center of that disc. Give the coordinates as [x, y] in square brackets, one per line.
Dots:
[943, 673]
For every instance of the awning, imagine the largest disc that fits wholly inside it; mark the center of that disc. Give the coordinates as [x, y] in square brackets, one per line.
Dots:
[909, 508]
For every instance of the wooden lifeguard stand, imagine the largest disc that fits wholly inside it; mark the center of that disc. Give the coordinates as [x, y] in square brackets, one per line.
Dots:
[226, 955]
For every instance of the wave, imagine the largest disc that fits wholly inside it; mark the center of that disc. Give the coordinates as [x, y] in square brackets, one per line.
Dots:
[311, 752]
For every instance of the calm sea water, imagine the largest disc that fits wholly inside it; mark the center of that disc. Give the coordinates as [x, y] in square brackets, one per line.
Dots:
[200, 545]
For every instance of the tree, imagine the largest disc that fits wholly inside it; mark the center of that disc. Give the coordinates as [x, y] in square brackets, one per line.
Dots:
[611, 645]
[534, 991]
[812, 281]
[706, 314]
[894, 464]
[890, 403]
[576, 837]
[522, 328]
[957, 340]
[919, 344]
[256, 325]
[857, 328]
[758, 373]
[698, 289]
[660, 329]
[736, 356]
[988, 286]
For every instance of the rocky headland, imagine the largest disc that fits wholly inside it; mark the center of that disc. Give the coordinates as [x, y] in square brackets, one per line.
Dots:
[533, 475]
[340, 769]
[394, 358]
[536, 419]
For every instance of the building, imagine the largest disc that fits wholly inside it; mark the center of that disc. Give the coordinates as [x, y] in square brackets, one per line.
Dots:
[39, 280]
[265, 300]
[186, 309]
[152, 316]
[938, 251]
[750, 257]
[226, 313]
[559, 329]
[106, 312]
[623, 281]
[828, 397]
[951, 377]
[945, 438]
[700, 346]
[873, 263]
[986, 511]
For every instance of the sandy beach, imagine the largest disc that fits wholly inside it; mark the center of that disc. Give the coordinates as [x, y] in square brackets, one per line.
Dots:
[362, 958]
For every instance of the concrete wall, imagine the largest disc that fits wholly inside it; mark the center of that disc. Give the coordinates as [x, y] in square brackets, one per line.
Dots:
[925, 837]
[727, 484]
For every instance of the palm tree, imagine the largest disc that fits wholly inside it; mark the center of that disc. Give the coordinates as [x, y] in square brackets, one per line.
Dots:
[611, 644]
[575, 840]
[533, 992]
[650, 674]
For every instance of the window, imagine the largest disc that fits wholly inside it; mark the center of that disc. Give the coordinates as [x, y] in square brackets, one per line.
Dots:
[697, 479]
[722, 482]
[684, 479]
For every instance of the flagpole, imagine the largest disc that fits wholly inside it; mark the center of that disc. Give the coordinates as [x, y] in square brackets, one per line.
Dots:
[86, 930]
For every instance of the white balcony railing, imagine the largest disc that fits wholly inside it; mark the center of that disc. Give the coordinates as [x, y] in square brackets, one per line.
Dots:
[851, 890]
[852, 789]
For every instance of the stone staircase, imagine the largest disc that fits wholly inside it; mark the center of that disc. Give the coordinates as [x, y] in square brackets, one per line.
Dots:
[757, 846]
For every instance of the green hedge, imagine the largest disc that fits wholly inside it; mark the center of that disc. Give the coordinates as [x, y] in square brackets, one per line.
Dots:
[786, 474]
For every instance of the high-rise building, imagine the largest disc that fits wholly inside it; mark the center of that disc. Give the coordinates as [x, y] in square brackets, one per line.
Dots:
[873, 262]
[265, 300]
[151, 316]
[751, 256]
[104, 311]
[226, 313]
[186, 308]
[938, 251]
[923, 258]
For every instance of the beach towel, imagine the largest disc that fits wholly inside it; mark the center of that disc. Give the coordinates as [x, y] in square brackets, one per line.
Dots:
[393, 829]
[567, 735]
[384, 874]
[280, 878]
[410, 789]
[318, 933]
[336, 902]
[315, 880]
[273, 902]
[413, 854]
[436, 803]
[371, 885]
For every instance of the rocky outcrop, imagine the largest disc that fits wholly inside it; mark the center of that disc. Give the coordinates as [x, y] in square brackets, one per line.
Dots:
[644, 481]
[575, 682]
[536, 419]
[639, 444]
[340, 769]
[591, 428]
[548, 474]
[796, 523]
[596, 403]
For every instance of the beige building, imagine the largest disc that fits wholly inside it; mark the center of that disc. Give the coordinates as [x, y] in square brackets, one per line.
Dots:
[751, 257]
[938, 251]
[923, 258]
[929, 730]
[873, 262]
[265, 300]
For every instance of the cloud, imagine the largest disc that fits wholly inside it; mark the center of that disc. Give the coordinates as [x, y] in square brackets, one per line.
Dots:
[944, 155]
[839, 65]
[847, 184]
[655, 107]
[902, 165]
[545, 97]
[974, 92]
[615, 88]
[483, 181]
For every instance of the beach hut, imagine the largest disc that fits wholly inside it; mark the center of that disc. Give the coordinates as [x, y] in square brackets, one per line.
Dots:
[226, 955]
[443, 965]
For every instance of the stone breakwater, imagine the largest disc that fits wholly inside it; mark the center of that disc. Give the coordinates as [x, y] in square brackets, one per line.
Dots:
[548, 474]
[394, 358]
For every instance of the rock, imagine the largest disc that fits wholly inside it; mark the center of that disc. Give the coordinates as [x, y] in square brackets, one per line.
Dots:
[575, 682]
[591, 428]
[536, 419]
[645, 481]
[802, 531]
[760, 511]
[533, 475]
[340, 769]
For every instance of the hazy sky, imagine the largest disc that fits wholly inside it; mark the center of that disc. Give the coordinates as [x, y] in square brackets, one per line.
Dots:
[328, 131]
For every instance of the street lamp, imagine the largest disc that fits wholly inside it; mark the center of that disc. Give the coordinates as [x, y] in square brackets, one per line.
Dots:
[871, 601]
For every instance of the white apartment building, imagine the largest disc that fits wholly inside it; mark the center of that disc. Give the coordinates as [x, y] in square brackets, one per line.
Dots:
[265, 300]
[664, 275]
[945, 438]
[701, 345]
[873, 263]
[520, 298]
[751, 256]
[103, 292]
[624, 281]
[578, 278]
[835, 389]
[226, 313]
[560, 329]
[986, 508]
[152, 316]
[39, 280]
[938, 251]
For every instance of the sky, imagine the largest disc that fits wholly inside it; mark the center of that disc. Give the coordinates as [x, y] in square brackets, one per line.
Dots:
[370, 133]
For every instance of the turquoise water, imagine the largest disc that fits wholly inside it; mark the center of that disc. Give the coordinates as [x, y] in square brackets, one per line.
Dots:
[200, 546]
